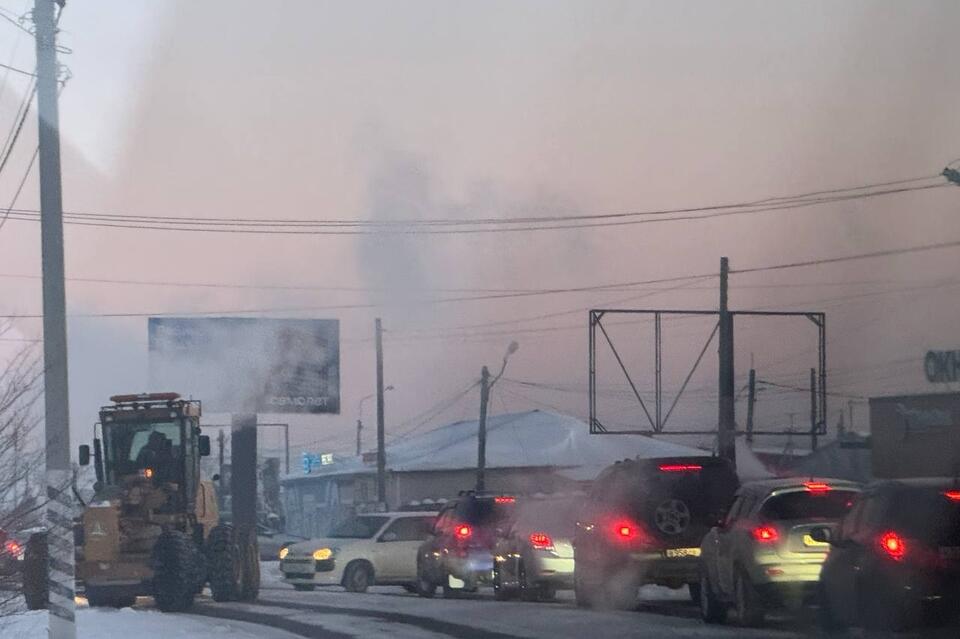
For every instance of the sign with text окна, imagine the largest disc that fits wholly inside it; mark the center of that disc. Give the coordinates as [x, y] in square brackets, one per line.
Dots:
[248, 365]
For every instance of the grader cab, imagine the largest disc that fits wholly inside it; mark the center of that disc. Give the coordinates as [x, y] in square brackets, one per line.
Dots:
[153, 526]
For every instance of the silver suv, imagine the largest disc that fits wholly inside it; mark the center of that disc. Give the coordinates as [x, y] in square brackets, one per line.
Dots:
[763, 555]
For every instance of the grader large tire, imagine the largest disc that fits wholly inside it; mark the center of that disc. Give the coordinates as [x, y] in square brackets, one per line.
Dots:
[251, 563]
[225, 563]
[35, 572]
[177, 568]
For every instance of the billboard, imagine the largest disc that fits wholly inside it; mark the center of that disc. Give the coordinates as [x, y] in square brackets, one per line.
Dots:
[915, 435]
[248, 365]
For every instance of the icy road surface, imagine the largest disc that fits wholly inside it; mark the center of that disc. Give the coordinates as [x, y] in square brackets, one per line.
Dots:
[129, 623]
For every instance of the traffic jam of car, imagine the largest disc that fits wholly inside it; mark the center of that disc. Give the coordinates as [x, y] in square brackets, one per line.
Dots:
[885, 555]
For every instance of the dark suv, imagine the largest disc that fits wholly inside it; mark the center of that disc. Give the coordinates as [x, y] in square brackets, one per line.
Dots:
[458, 555]
[895, 557]
[643, 524]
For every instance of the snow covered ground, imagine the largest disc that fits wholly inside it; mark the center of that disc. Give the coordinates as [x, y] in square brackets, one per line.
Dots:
[130, 622]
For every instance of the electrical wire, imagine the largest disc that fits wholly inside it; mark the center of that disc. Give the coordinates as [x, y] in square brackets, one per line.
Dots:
[448, 226]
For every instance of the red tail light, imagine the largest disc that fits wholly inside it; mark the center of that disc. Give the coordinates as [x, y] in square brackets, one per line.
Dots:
[952, 495]
[13, 548]
[541, 541]
[766, 534]
[626, 530]
[504, 499]
[680, 468]
[463, 532]
[893, 545]
[817, 486]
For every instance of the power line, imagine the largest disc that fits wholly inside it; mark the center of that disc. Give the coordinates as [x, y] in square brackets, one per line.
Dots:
[447, 226]
[494, 296]
[16, 70]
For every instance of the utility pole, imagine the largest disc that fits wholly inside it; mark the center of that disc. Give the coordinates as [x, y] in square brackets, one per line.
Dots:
[726, 433]
[850, 407]
[59, 509]
[751, 399]
[485, 386]
[359, 429]
[813, 409]
[221, 439]
[381, 438]
[482, 430]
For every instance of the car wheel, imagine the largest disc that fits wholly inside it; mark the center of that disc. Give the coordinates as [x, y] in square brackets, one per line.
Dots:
[304, 587]
[358, 577]
[528, 591]
[712, 610]
[879, 609]
[426, 588]
[451, 593]
[826, 617]
[749, 608]
[500, 592]
[582, 591]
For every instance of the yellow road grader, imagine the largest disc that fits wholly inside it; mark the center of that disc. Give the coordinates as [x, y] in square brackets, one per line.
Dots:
[153, 526]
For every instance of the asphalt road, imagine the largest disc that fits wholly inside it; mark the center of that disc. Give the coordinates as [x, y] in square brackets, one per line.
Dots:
[663, 613]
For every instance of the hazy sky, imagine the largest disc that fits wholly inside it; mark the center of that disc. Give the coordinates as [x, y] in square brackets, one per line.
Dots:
[377, 110]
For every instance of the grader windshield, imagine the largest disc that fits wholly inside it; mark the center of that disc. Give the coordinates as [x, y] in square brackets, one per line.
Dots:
[151, 449]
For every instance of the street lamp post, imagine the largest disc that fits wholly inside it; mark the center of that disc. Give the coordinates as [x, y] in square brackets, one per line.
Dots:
[360, 416]
[486, 385]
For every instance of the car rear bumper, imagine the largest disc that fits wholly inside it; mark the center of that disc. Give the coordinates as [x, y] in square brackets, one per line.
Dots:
[788, 594]
[472, 568]
[555, 571]
[655, 568]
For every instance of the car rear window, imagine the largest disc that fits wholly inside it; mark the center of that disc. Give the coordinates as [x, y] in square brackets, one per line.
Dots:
[832, 504]
[928, 515]
[556, 517]
[483, 512]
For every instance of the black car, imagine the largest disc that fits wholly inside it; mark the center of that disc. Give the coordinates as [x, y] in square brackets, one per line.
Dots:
[894, 560]
[458, 555]
[643, 523]
[11, 555]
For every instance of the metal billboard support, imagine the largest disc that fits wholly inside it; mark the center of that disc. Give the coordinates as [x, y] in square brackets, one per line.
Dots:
[658, 424]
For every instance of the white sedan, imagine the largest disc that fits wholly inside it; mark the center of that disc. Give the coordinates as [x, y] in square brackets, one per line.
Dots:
[375, 548]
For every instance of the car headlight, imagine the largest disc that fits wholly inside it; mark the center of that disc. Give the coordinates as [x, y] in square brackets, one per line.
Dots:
[284, 552]
[322, 554]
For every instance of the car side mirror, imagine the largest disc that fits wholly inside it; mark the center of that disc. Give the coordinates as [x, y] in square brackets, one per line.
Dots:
[822, 534]
[84, 455]
[204, 445]
[389, 536]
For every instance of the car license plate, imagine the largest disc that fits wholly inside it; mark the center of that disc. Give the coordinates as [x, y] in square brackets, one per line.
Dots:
[673, 553]
[810, 542]
[950, 552]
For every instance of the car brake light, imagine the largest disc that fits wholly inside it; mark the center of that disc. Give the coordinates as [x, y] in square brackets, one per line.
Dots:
[893, 545]
[13, 548]
[625, 530]
[680, 468]
[463, 532]
[952, 495]
[817, 486]
[541, 541]
[766, 534]
[504, 499]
